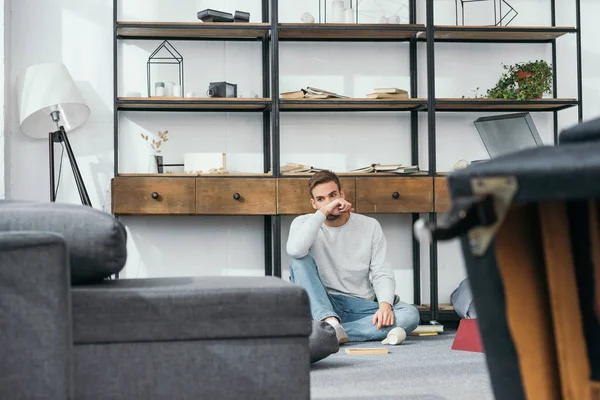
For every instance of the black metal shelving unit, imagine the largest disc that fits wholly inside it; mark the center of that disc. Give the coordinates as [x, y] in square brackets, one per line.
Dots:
[182, 31]
[489, 34]
[271, 32]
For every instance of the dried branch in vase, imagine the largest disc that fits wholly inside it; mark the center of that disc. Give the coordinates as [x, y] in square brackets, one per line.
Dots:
[155, 144]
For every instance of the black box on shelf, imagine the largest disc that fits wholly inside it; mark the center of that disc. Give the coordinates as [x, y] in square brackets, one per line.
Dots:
[241, 16]
[222, 89]
[210, 15]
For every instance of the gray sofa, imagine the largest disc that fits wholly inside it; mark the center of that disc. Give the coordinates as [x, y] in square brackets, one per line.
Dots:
[69, 331]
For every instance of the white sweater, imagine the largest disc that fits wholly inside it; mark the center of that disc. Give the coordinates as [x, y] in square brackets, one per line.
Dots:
[351, 258]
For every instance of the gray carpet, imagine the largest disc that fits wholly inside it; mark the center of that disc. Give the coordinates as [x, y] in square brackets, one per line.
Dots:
[421, 368]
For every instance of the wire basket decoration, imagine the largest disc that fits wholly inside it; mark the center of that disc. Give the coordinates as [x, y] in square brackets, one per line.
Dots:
[501, 17]
[165, 54]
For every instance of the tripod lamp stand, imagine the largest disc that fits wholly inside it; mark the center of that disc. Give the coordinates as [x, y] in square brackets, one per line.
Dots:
[50, 105]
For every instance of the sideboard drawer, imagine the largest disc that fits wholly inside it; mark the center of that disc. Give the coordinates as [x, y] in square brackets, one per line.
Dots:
[153, 195]
[293, 197]
[236, 196]
[442, 195]
[389, 195]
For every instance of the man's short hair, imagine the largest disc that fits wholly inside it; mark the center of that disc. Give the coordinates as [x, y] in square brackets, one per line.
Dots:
[323, 177]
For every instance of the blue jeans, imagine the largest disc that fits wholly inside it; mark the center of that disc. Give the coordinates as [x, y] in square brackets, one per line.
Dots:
[355, 314]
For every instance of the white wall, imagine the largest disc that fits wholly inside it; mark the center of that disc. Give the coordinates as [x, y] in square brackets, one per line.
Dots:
[4, 95]
[79, 34]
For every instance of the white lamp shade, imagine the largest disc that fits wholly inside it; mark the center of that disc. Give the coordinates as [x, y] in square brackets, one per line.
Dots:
[42, 89]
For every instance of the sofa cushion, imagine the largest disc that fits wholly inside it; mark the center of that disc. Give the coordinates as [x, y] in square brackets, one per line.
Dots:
[96, 241]
[128, 310]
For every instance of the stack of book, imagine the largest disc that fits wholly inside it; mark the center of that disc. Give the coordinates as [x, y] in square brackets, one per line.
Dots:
[388, 94]
[394, 168]
[427, 330]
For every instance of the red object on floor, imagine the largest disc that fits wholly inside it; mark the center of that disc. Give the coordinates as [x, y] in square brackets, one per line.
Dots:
[467, 337]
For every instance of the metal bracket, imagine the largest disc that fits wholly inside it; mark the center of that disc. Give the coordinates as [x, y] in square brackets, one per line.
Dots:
[503, 190]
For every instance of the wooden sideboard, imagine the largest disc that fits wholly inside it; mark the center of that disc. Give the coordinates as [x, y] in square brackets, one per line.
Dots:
[191, 195]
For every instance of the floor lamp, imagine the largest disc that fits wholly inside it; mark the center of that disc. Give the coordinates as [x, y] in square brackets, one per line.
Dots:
[50, 105]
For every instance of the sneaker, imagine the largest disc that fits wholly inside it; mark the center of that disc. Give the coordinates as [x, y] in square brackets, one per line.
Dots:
[340, 333]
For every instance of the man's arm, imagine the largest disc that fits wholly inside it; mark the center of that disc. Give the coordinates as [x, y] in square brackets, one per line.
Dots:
[382, 275]
[303, 232]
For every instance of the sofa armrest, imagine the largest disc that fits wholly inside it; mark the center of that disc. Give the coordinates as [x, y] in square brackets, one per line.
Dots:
[35, 317]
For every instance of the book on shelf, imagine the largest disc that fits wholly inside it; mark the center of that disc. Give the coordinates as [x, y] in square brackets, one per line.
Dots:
[292, 168]
[311, 93]
[394, 168]
[388, 93]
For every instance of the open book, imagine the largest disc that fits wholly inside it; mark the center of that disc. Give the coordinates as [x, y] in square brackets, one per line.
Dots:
[291, 168]
[395, 168]
[311, 93]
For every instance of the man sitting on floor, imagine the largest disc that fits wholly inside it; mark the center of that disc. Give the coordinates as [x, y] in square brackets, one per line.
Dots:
[339, 257]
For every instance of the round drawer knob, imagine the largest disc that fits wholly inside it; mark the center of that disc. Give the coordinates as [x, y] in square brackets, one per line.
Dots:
[155, 195]
[395, 195]
[236, 196]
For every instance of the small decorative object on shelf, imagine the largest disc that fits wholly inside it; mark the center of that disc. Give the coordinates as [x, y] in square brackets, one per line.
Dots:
[307, 18]
[210, 15]
[241, 16]
[155, 161]
[501, 17]
[164, 54]
[222, 89]
[339, 12]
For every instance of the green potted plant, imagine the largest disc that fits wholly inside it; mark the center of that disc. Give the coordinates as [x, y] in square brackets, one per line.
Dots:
[523, 81]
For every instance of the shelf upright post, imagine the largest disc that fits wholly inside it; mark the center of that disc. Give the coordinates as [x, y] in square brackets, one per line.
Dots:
[115, 90]
[268, 219]
[414, 150]
[554, 83]
[579, 72]
[433, 259]
[275, 129]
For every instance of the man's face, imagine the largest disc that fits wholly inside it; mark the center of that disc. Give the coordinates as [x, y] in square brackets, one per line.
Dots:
[324, 194]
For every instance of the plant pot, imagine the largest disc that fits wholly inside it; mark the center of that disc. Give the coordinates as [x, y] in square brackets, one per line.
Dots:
[154, 164]
[522, 75]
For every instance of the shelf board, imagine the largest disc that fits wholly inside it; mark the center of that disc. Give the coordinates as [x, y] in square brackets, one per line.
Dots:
[354, 32]
[183, 175]
[455, 33]
[353, 104]
[192, 30]
[194, 104]
[466, 105]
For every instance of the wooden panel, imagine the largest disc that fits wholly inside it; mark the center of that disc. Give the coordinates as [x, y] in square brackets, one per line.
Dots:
[442, 195]
[520, 262]
[134, 195]
[348, 31]
[480, 33]
[564, 305]
[179, 103]
[174, 30]
[293, 197]
[383, 195]
[236, 196]
[352, 104]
